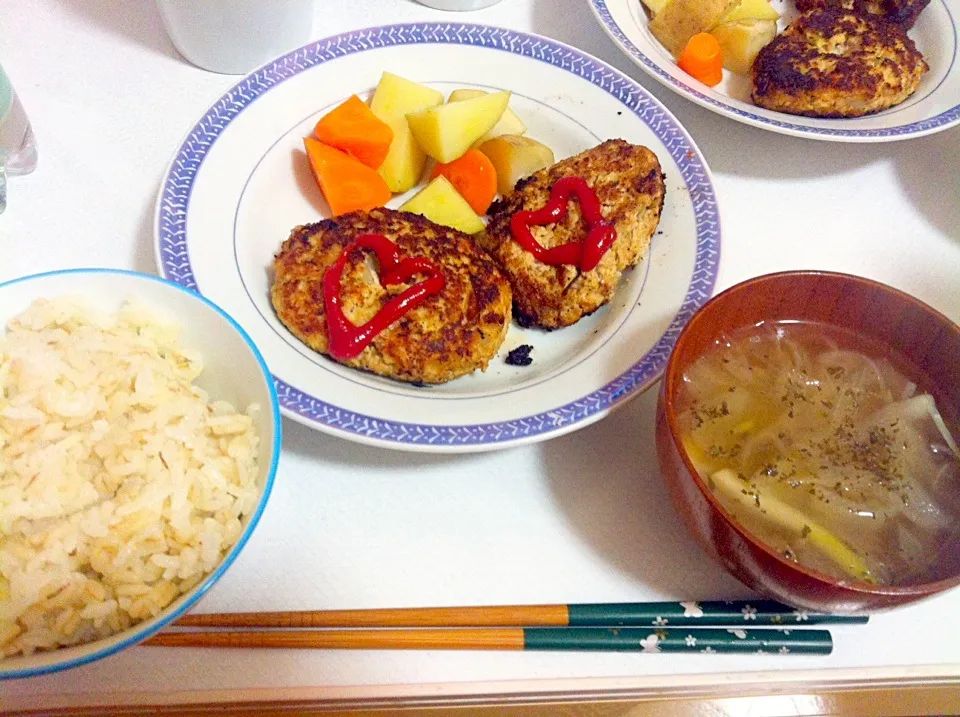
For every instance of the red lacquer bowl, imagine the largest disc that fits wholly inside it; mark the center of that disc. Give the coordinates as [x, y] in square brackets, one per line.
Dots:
[918, 334]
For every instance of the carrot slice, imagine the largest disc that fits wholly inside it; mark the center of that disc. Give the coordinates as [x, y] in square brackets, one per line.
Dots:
[353, 128]
[346, 183]
[702, 58]
[474, 176]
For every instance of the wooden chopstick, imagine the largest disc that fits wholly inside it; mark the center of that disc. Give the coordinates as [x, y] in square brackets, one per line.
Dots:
[467, 639]
[689, 640]
[495, 616]
[748, 613]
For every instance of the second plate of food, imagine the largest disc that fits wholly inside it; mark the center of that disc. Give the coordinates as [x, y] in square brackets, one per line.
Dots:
[452, 371]
[827, 65]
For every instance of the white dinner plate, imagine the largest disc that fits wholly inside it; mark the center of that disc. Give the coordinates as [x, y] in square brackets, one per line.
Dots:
[934, 107]
[240, 182]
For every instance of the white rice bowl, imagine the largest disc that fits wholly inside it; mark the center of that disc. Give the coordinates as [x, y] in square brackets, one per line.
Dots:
[125, 487]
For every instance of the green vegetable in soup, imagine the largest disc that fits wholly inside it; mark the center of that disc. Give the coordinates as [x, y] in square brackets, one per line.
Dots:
[823, 447]
[791, 521]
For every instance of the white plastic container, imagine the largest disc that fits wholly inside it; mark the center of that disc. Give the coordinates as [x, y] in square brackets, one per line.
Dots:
[234, 37]
[458, 4]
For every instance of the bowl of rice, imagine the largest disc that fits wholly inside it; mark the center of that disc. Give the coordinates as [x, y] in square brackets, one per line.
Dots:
[139, 439]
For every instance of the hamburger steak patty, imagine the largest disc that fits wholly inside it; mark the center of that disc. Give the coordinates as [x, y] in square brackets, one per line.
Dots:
[833, 63]
[629, 184]
[450, 334]
[901, 12]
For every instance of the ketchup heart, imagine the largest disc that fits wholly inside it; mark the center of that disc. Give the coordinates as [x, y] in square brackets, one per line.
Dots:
[584, 254]
[346, 340]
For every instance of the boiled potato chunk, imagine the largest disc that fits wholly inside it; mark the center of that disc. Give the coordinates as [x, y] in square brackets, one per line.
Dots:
[682, 19]
[751, 10]
[447, 131]
[742, 40]
[404, 163]
[392, 100]
[515, 158]
[466, 93]
[655, 6]
[396, 97]
[441, 203]
[509, 123]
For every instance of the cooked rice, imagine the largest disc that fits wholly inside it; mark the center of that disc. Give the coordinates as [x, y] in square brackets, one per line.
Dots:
[122, 484]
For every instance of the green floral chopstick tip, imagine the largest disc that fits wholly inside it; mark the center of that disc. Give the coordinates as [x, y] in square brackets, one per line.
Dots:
[710, 613]
[782, 641]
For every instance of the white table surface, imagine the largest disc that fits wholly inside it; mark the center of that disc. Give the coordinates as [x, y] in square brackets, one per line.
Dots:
[583, 518]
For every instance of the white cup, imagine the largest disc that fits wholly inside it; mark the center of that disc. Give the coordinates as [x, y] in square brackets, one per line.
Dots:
[234, 37]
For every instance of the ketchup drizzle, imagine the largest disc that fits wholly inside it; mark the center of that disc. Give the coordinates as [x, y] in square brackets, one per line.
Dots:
[585, 254]
[346, 340]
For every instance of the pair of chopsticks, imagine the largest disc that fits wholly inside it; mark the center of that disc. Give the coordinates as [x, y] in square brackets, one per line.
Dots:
[708, 627]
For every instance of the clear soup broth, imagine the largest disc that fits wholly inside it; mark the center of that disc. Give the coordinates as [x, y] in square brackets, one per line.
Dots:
[826, 449]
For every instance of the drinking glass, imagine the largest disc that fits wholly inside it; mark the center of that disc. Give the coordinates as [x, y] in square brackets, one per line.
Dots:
[18, 150]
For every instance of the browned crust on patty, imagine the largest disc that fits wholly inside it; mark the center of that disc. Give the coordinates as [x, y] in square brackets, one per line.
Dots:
[629, 184]
[833, 63]
[451, 334]
[900, 12]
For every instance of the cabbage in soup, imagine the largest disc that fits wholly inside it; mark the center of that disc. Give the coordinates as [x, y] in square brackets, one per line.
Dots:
[832, 456]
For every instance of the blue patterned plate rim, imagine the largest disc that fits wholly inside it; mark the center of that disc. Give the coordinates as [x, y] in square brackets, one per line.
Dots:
[927, 126]
[174, 202]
